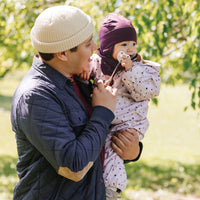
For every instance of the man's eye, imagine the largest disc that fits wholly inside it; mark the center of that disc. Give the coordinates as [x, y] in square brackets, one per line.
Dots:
[134, 43]
[124, 44]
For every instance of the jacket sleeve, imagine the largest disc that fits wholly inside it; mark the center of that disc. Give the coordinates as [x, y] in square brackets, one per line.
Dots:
[143, 80]
[54, 134]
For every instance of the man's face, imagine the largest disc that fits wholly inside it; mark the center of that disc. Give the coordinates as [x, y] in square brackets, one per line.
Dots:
[80, 59]
[129, 47]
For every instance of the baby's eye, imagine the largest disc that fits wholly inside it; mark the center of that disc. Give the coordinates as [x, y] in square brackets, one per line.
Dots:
[124, 44]
[134, 43]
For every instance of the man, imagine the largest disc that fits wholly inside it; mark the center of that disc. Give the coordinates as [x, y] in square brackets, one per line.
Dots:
[59, 134]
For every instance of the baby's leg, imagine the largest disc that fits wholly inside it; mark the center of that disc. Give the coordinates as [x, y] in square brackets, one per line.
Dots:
[114, 172]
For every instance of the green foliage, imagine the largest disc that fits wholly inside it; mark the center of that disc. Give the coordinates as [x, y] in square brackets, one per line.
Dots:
[168, 33]
[17, 18]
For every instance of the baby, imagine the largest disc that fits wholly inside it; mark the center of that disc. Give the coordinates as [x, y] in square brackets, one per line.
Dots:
[118, 64]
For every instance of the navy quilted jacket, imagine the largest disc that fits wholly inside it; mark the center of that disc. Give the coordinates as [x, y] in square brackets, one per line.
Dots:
[53, 129]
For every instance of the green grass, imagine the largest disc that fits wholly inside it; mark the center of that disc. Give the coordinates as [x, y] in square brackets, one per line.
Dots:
[170, 161]
[171, 157]
[8, 153]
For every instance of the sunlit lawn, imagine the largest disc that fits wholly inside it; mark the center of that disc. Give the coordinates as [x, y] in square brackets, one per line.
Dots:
[8, 154]
[171, 157]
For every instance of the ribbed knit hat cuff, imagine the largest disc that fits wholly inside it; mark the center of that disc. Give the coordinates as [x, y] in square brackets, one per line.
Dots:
[63, 45]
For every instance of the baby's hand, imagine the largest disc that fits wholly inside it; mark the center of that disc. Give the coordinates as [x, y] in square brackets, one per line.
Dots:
[125, 60]
[84, 75]
[127, 63]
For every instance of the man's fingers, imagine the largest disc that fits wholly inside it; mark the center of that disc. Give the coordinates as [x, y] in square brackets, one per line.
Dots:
[104, 96]
[119, 140]
[130, 135]
[100, 82]
[102, 86]
[114, 91]
[132, 131]
[116, 149]
[126, 144]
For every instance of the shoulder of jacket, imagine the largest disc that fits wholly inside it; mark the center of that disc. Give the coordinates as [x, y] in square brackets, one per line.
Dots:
[95, 57]
[151, 63]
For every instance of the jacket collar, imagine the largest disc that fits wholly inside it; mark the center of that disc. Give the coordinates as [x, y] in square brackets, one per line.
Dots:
[49, 72]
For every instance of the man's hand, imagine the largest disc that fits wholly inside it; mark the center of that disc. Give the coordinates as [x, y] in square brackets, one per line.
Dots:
[104, 96]
[126, 144]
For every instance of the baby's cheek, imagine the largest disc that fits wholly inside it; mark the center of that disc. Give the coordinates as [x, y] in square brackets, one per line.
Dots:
[134, 52]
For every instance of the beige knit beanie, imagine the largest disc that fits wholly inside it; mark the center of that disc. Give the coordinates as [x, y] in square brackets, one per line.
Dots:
[60, 28]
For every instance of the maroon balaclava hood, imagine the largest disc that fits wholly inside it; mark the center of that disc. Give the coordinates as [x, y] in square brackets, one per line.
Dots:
[114, 29]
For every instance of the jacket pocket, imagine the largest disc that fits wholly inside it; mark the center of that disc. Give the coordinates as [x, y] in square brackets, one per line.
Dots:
[77, 119]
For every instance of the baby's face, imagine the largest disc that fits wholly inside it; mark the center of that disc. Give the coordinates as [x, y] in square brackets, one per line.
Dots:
[129, 47]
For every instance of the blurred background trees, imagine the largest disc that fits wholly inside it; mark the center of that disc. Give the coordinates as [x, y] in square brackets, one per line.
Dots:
[168, 33]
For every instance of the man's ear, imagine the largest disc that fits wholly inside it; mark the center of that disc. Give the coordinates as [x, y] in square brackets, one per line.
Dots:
[62, 55]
